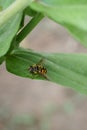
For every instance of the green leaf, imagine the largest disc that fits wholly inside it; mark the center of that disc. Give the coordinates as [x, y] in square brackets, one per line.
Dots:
[30, 12]
[0, 8]
[16, 7]
[65, 69]
[67, 13]
[9, 29]
[7, 33]
[5, 3]
[2, 59]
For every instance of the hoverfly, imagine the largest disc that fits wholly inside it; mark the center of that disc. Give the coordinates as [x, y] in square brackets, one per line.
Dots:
[38, 69]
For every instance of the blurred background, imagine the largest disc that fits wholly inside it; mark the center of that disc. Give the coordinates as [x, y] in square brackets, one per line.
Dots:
[27, 104]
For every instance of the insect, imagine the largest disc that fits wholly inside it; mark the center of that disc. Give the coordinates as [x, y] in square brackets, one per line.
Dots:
[38, 69]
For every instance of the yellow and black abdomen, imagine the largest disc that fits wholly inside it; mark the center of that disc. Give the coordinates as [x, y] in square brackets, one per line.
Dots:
[43, 71]
[37, 69]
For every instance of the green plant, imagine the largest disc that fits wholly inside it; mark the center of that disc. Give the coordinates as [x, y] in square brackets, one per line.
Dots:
[66, 69]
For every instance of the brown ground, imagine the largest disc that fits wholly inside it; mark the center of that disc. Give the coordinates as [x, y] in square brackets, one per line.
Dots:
[52, 106]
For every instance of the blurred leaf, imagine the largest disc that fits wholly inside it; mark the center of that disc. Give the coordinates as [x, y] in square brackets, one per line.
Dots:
[1, 8]
[8, 30]
[69, 107]
[65, 69]
[69, 13]
[5, 3]
[45, 125]
[1, 59]
[24, 119]
[30, 12]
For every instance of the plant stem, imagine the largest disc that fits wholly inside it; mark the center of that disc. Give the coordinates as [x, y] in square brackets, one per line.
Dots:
[29, 27]
[16, 7]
